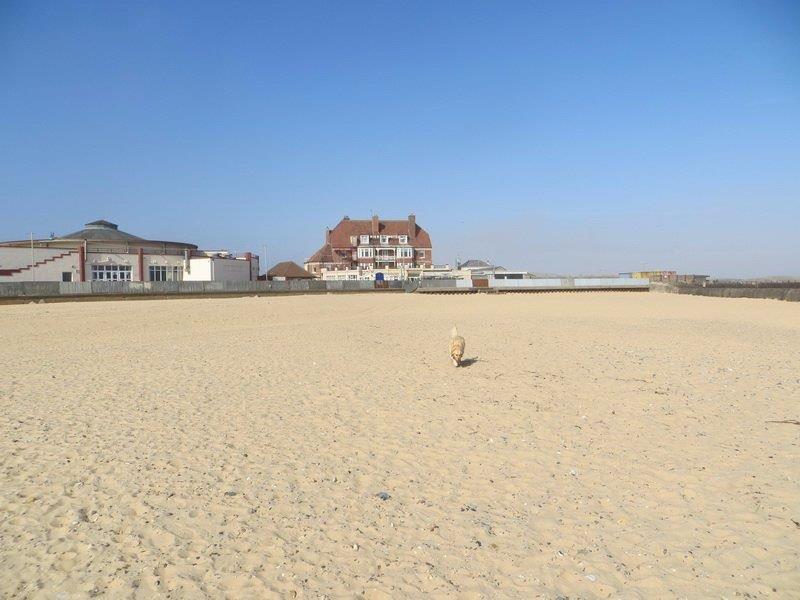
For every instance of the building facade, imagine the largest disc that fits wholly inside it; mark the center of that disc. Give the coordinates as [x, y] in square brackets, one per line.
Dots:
[101, 252]
[372, 246]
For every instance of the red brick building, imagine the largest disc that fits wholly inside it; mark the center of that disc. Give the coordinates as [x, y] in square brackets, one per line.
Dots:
[373, 244]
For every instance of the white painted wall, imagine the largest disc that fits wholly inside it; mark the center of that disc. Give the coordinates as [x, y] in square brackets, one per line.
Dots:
[201, 268]
[221, 269]
[14, 258]
[49, 271]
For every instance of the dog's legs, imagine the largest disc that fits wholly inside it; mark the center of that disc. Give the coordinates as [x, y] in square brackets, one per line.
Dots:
[455, 362]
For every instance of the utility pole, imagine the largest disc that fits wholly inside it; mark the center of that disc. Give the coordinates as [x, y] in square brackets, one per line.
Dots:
[265, 259]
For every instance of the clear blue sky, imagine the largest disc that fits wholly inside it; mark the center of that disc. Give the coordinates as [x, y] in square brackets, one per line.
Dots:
[557, 137]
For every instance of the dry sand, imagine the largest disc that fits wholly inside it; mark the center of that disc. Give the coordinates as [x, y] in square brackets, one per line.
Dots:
[601, 445]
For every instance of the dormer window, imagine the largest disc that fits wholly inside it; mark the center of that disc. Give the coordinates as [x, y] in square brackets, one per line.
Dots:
[403, 239]
[365, 239]
[384, 239]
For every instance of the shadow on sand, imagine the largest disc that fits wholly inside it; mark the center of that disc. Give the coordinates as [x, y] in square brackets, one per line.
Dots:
[468, 362]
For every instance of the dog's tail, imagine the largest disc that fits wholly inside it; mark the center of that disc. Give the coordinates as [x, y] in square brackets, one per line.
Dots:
[454, 332]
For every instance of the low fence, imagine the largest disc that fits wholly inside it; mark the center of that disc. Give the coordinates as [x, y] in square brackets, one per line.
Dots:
[54, 289]
[535, 285]
[775, 293]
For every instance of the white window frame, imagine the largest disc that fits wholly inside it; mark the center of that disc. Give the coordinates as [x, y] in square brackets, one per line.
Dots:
[421, 253]
[405, 253]
[403, 239]
[164, 273]
[364, 239]
[111, 272]
[365, 252]
[384, 240]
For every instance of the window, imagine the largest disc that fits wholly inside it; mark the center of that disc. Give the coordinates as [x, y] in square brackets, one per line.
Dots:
[111, 273]
[403, 239]
[421, 254]
[365, 253]
[66, 276]
[405, 252]
[384, 239]
[162, 273]
[365, 239]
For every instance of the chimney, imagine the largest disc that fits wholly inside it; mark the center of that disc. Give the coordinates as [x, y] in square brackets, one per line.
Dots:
[375, 224]
[412, 226]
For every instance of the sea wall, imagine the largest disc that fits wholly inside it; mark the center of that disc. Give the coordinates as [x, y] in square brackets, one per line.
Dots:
[9, 291]
[54, 289]
[566, 284]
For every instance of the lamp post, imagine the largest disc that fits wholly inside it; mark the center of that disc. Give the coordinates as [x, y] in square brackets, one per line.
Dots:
[33, 261]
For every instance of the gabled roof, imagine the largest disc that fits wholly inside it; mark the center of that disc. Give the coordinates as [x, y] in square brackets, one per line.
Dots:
[323, 255]
[346, 228]
[289, 270]
[476, 264]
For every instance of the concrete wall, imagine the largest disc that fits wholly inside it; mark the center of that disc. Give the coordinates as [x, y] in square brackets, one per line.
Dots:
[610, 282]
[15, 258]
[565, 283]
[230, 269]
[526, 283]
[135, 288]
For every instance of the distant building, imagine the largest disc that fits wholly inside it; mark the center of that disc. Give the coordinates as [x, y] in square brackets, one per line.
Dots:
[667, 277]
[475, 264]
[101, 252]
[288, 271]
[372, 245]
[661, 276]
[693, 279]
[399, 274]
[481, 268]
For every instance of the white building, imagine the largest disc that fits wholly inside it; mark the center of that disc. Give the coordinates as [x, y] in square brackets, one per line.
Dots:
[101, 252]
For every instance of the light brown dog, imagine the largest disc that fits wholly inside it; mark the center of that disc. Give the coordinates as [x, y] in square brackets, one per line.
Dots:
[457, 345]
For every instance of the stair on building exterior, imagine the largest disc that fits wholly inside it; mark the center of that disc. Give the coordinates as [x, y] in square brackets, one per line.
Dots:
[11, 272]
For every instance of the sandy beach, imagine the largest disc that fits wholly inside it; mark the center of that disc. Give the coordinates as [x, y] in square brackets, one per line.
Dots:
[597, 445]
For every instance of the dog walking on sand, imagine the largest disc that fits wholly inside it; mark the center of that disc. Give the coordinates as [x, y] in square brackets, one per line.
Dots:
[457, 345]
